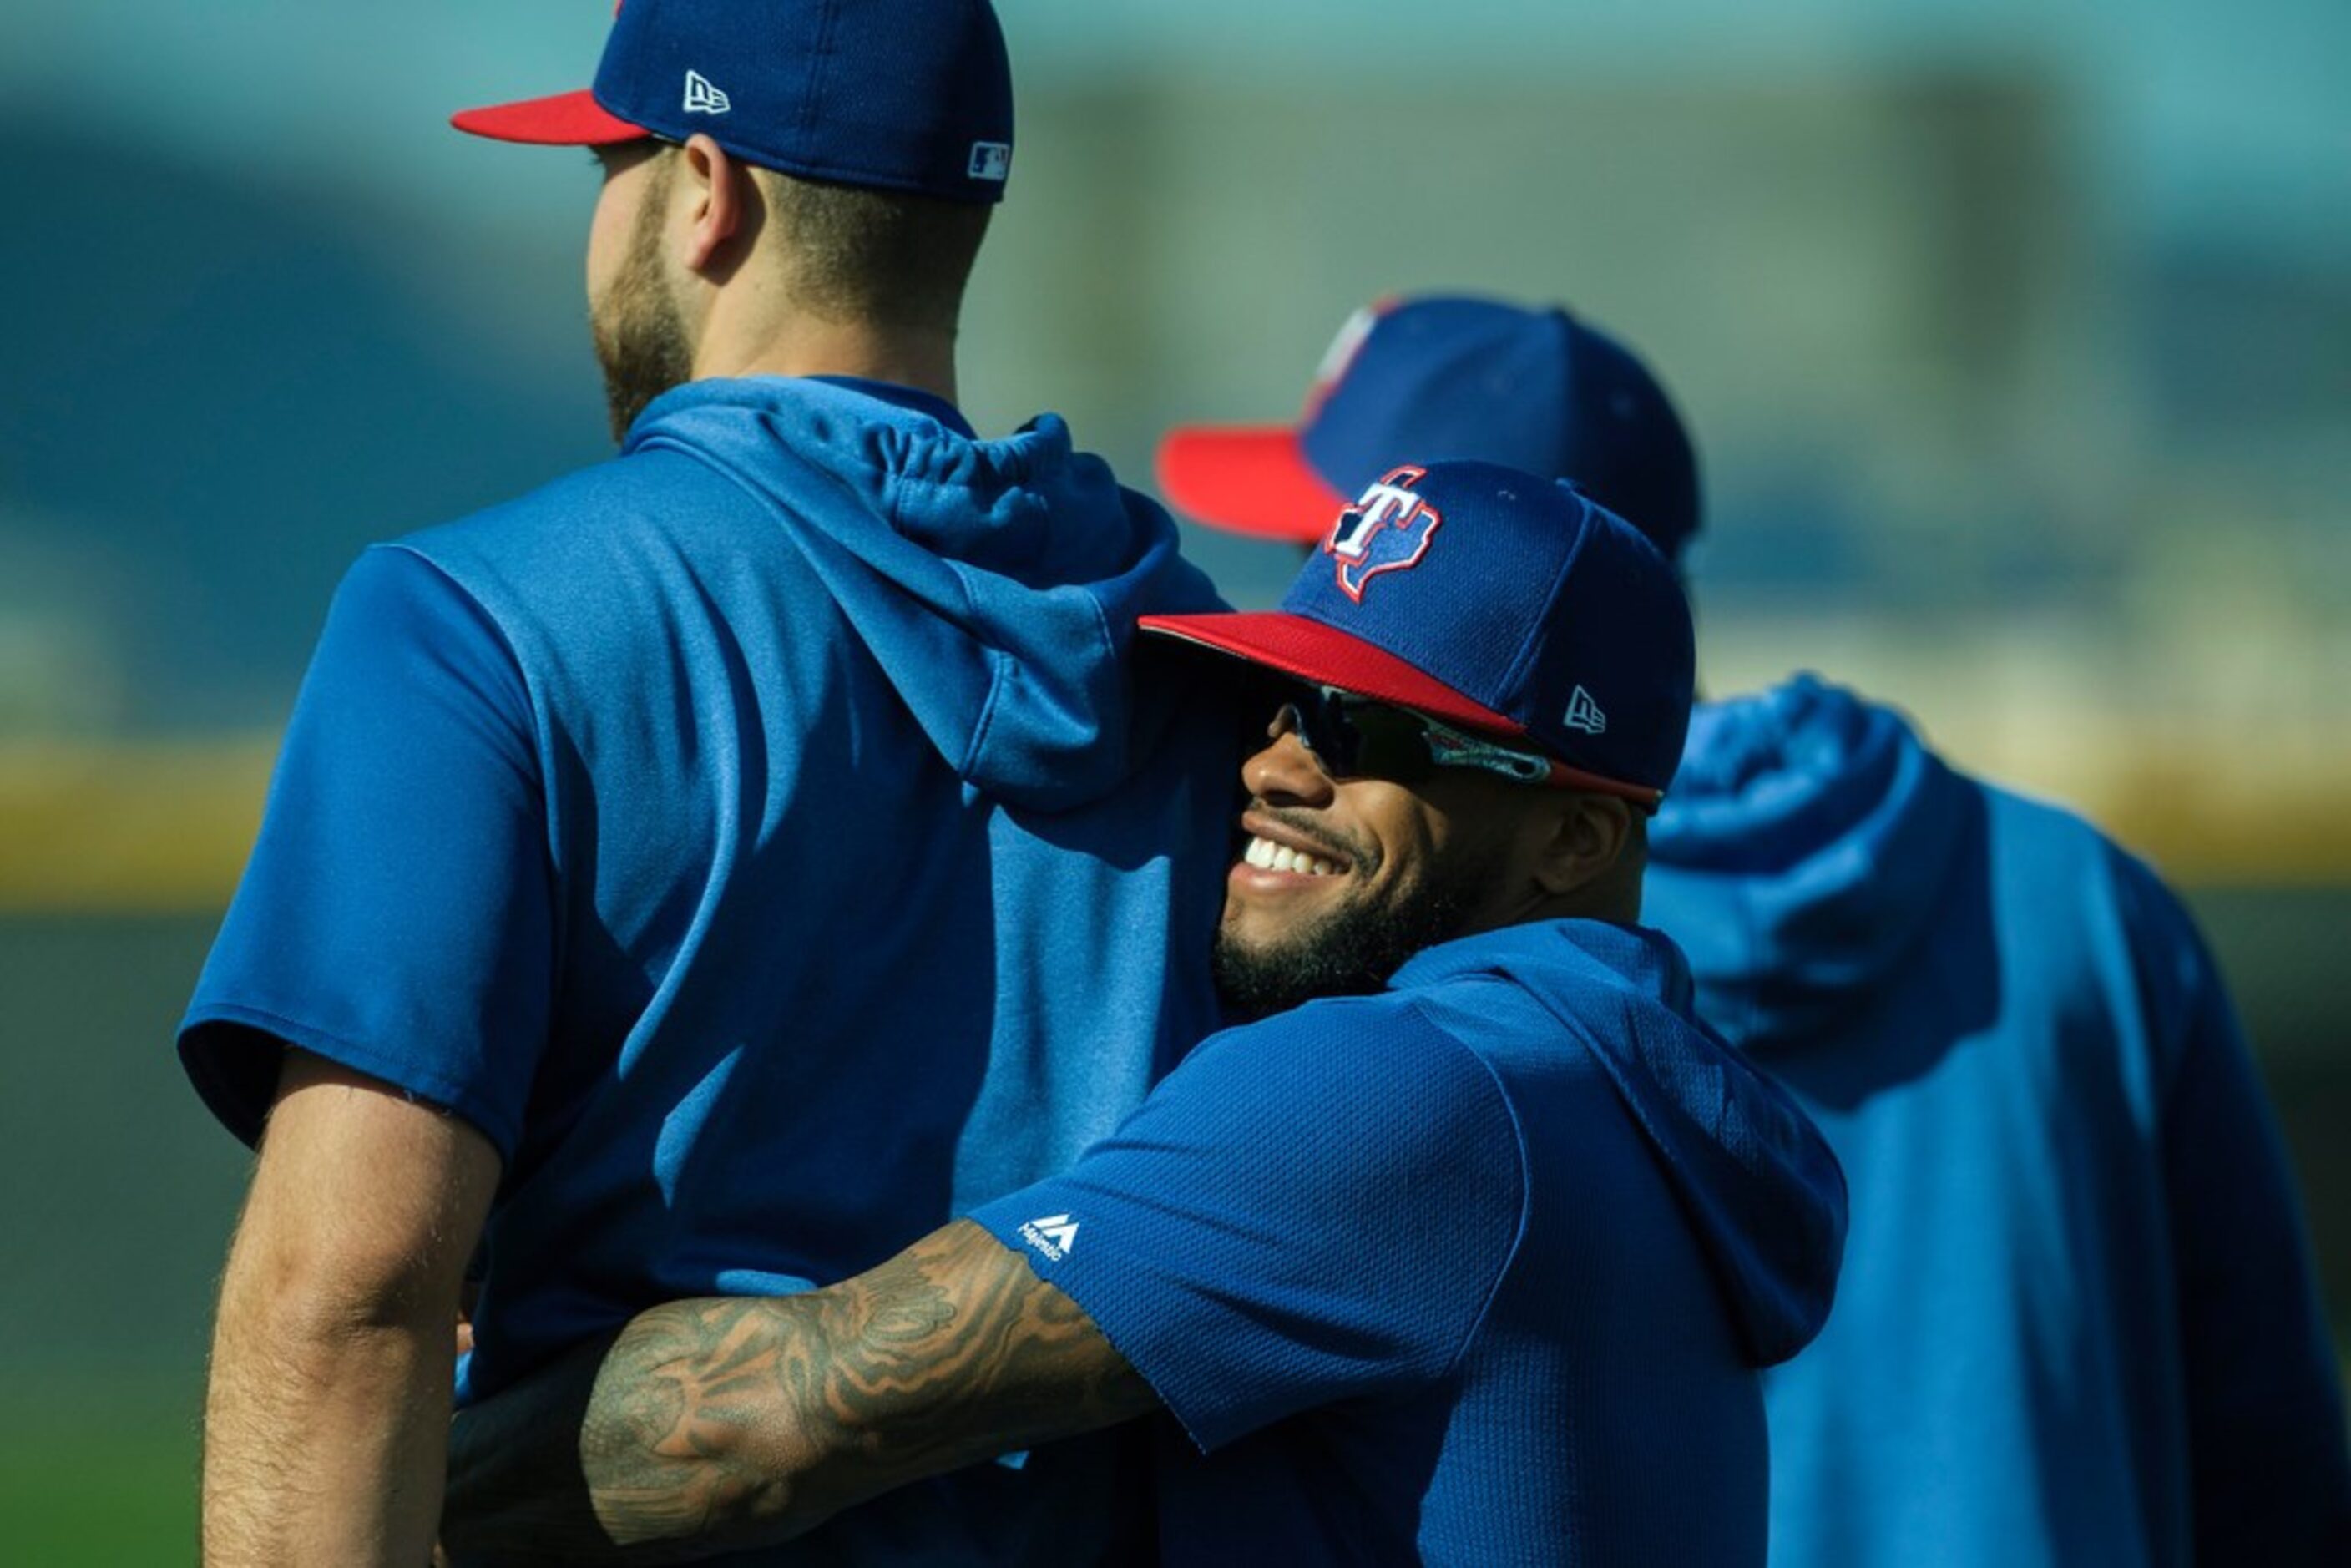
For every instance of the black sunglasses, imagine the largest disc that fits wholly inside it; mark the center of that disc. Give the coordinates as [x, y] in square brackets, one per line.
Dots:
[1353, 736]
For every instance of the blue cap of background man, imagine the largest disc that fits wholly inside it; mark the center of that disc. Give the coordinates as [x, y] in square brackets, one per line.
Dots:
[1448, 376]
[892, 95]
[1499, 602]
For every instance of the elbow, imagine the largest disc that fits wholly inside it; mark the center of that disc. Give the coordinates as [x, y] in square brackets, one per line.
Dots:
[715, 1486]
[675, 1442]
[308, 1300]
[330, 1317]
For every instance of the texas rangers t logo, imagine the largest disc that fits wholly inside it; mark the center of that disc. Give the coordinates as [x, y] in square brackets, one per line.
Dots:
[1387, 530]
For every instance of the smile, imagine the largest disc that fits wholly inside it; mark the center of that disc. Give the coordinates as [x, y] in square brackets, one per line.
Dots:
[1266, 855]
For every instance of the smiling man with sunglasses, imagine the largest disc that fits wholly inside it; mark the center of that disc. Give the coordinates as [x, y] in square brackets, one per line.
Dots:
[1468, 1250]
[1403, 866]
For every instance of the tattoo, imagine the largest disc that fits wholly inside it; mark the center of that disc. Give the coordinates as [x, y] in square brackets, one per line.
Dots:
[739, 1422]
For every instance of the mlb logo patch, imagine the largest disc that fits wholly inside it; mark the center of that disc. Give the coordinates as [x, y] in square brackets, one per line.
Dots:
[1388, 528]
[992, 161]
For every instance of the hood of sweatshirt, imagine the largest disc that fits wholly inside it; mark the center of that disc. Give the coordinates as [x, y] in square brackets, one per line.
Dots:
[1761, 1187]
[996, 582]
[1808, 841]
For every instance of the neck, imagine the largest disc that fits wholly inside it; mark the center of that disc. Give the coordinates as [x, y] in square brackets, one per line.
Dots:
[1612, 911]
[798, 345]
[1614, 896]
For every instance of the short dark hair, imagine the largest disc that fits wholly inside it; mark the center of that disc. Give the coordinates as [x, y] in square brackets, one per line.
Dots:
[882, 257]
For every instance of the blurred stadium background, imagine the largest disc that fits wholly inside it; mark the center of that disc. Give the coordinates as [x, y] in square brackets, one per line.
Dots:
[2017, 338]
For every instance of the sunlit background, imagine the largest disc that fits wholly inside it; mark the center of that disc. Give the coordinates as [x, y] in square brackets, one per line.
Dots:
[2016, 338]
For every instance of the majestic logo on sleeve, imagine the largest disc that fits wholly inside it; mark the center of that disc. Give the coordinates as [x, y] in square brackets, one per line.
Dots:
[1387, 530]
[1054, 1236]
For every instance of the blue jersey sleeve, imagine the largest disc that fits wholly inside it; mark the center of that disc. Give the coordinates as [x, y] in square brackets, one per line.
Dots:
[1313, 1209]
[396, 913]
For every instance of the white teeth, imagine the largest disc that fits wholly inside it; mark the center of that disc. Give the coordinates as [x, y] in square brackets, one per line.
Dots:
[1266, 855]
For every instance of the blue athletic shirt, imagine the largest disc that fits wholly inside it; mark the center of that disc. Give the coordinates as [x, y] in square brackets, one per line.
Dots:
[2078, 1321]
[1476, 1270]
[774, 841]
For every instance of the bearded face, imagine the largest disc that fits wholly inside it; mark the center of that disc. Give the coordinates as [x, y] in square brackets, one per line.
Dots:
[1347, 951]
[1353, 920]
[639, 329]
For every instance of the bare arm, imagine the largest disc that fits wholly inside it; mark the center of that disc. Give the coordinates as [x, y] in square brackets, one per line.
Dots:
[719, 1424]
[327, 1413]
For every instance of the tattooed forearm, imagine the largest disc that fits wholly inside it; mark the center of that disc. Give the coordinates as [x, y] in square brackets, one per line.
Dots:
[737, 1421]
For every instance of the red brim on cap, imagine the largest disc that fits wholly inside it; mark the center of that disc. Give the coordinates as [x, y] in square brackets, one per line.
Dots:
[1328, 657]
[1311, 651]
[1249, 481]
[565, 119]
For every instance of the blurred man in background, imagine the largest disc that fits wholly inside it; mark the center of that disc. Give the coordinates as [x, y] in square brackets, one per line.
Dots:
[2078, 1320]
[723, 866]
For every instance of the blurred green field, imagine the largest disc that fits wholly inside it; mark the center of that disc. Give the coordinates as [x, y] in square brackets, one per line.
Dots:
[113, 1486]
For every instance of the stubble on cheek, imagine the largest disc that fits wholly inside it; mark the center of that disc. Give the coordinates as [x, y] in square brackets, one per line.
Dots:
[638, 330]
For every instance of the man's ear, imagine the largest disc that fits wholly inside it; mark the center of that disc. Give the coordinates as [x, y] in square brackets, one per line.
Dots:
[713, 188]
[1587, 836]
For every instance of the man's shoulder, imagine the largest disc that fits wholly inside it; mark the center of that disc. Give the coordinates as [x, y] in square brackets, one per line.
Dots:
[1339, 1025]
[572, 514]
[1526, 986]
[588, 551]
[2050, 826]
[1468, 1047]
[2048, 857]
[1339, 1063]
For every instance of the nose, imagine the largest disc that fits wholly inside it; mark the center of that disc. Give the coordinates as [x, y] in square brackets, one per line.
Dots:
[1284, 771]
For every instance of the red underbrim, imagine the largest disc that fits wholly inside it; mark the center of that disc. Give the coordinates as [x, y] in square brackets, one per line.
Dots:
[1328, 657]
[565, 119]
[1250, 481]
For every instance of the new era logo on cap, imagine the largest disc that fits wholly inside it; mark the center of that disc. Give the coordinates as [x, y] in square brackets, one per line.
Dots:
[702, 97]
[1584, 714]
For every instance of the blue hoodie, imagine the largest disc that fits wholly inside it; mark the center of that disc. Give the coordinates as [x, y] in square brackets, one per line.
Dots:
[1476, 1270]
[772, 839]
[2078, 1323]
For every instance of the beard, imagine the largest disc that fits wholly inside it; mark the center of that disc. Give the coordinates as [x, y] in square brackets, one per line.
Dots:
[640, 334]
[1351, 950]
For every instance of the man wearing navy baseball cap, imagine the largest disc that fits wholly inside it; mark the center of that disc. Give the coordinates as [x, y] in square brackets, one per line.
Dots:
[1470, 1251]
[2078, 1319]
[848, 150]
[714, 870]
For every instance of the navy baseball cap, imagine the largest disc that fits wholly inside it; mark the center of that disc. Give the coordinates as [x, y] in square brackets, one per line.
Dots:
[1451, 377]
[1496, 602]
[894, 94]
